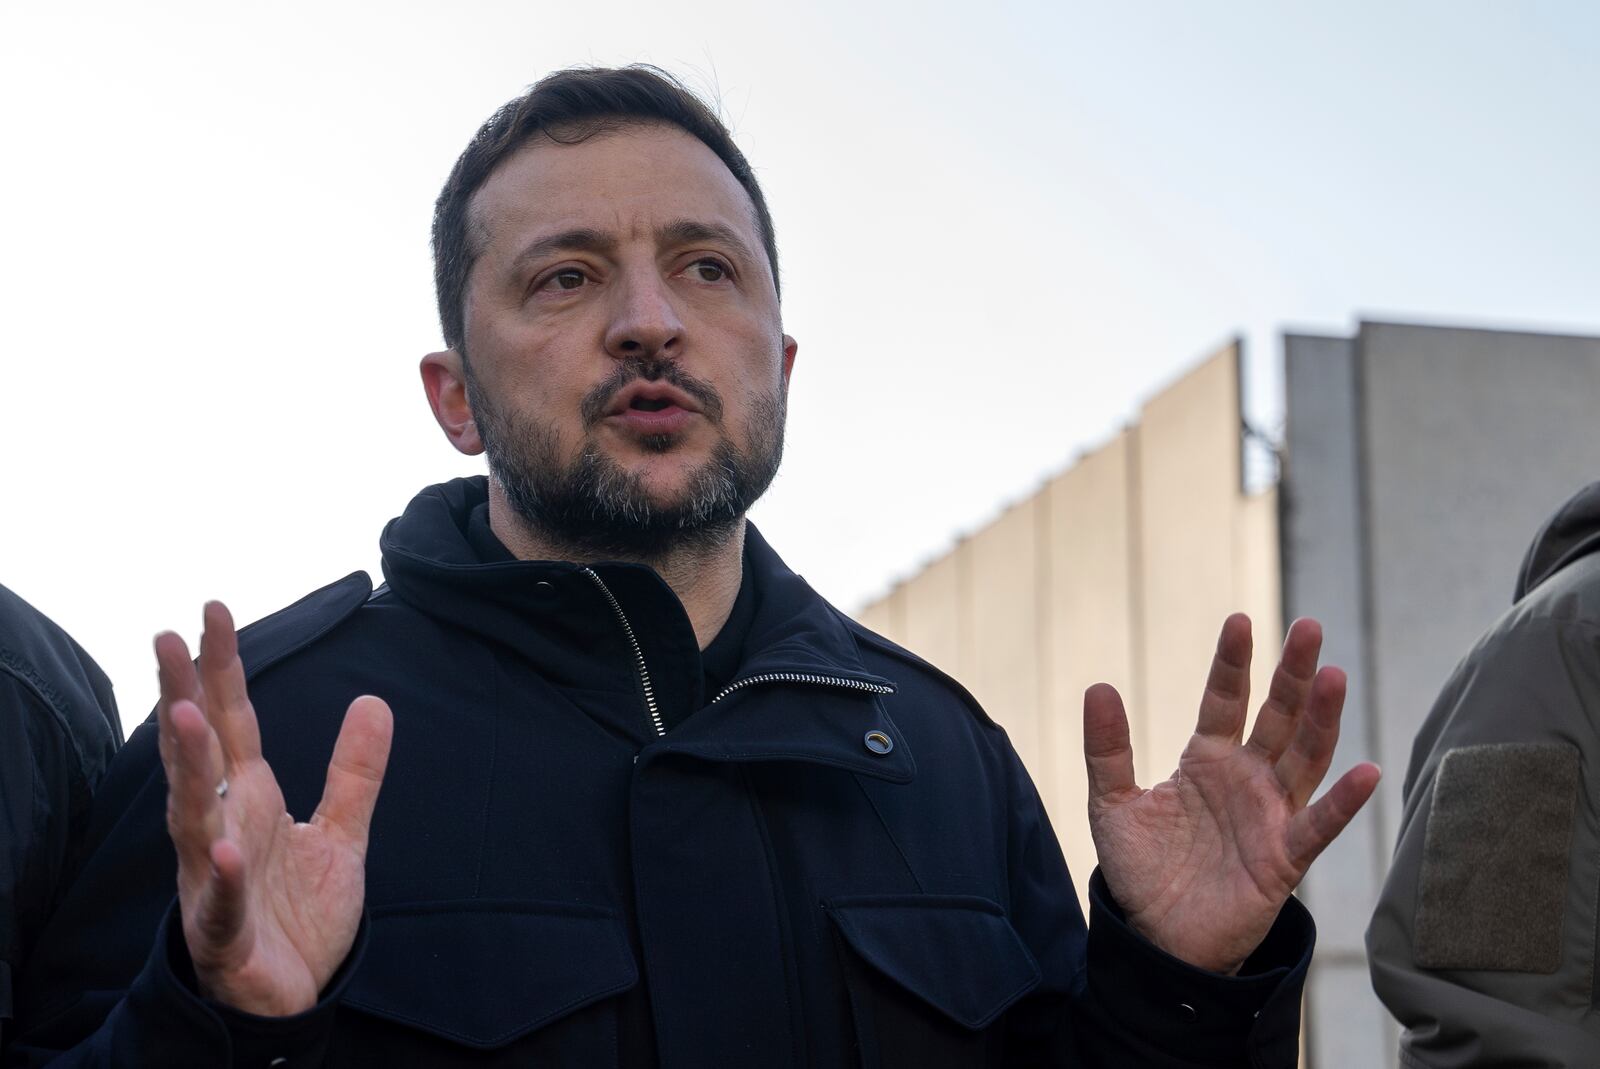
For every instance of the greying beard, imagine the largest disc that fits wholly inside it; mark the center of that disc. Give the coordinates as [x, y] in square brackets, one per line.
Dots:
[595, 509]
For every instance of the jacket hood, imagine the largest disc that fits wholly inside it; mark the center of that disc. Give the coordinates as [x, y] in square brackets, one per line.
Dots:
[556, 614]
[1573, 532]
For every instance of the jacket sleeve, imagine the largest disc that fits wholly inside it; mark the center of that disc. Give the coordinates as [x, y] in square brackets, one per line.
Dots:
[110, 982]
[48, 772]
[1109, 998]
[162, 1020]
[1483, 941]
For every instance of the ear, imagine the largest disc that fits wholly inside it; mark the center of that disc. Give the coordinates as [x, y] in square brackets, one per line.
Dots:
[444, 377]
[790, 348]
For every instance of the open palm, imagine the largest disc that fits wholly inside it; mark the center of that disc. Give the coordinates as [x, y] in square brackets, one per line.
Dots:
[1202, 863]
[270, 907]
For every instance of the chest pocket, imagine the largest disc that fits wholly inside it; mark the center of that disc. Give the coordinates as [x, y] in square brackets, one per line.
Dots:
[531, 980]
[929, 977]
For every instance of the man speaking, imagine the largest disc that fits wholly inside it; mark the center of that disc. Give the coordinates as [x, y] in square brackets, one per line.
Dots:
[649, 799]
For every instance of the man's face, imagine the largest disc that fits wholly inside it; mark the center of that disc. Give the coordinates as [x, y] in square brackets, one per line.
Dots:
[626, 368]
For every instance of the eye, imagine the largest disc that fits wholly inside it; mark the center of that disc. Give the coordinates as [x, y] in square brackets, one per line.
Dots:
[568, 278]
[709, 270]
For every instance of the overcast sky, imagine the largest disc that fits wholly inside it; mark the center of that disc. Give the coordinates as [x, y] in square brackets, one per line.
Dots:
[1001, 227]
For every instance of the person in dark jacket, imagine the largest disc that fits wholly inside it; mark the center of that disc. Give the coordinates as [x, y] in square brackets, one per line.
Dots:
[1483, 941]
[651, 800]
[58, 730]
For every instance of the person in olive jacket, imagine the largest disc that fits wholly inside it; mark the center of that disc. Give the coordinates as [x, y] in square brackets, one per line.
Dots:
[650, 800]
[58, 731]
[1483, 943]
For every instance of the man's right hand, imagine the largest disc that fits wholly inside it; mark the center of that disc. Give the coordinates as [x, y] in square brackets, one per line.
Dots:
[270, 906]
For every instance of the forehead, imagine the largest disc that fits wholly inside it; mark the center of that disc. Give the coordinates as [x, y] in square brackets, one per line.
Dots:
[624, 182]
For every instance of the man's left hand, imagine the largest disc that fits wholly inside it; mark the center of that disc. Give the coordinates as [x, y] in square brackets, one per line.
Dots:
[1202, 863]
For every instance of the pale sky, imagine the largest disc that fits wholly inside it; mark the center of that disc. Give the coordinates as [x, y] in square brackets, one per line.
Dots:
[1001, 226]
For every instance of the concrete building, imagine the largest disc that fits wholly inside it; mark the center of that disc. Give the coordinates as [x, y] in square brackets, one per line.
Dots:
[1120, 569]
[1418, 462]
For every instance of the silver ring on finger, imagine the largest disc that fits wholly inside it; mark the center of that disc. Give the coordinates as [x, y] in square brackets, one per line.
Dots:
[222, 788]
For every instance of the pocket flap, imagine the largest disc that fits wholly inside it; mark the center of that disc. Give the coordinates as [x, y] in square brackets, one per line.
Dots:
[957, 953]
[485, 973]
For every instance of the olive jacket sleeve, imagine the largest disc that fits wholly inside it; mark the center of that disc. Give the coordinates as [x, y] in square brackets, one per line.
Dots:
[1483, 941]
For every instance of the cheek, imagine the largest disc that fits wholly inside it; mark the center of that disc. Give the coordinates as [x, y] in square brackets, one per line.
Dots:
[759, 362]
[759, 385]
[536, 371]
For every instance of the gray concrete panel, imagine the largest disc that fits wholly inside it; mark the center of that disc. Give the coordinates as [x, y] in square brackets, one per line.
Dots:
[1323, 577]
[1471, 438]
[1345, 1025]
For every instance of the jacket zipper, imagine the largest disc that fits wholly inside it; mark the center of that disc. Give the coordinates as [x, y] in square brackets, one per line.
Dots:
[768, 677]
[802, 677]
[638, 655]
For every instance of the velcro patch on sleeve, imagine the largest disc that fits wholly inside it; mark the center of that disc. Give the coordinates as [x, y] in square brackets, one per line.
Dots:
[1494, 861]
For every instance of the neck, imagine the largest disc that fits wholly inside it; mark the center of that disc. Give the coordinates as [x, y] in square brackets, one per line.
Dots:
[705, 578]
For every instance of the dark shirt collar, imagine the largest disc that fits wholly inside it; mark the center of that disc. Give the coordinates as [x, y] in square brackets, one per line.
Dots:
[486, 545]
[722, 658]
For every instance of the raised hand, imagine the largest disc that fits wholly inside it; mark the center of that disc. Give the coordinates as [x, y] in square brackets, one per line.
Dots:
[1202, 863]
[270, 907]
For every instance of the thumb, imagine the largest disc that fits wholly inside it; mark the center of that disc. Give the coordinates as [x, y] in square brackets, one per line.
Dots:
[1107, 751]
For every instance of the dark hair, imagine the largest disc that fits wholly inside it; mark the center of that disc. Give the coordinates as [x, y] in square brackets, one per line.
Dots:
[570, 106]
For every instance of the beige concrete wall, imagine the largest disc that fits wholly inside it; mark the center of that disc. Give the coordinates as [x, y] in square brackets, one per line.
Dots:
[1205, 551]
[1004, 637]
[887, 615]
[1257, 585]
[936, 615]
[1088, 626]
[1120, 569]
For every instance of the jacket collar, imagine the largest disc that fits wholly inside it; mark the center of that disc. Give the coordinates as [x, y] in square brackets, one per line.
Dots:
[798, 645]
[556, 615]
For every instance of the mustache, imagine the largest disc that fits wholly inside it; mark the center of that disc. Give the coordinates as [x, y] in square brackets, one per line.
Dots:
[595, 403]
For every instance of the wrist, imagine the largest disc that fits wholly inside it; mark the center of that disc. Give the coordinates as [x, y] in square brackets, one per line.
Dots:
[1179, 945]
[1176, 1007]
[254, 999]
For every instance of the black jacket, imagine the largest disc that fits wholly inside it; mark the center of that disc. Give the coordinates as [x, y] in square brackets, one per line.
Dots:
[58, 730]
[551, 882]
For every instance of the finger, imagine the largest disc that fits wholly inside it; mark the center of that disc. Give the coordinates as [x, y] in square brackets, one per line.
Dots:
[1227, 697]
[1306, 760]
[1290, 688]
[220, 908]
[1107, 751]
[222, 678]
[174, 673]
[1313, 828]
[355, 773]
[194, 811]
[178, 682]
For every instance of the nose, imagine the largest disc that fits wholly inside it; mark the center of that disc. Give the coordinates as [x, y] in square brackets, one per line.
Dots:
[644, 321]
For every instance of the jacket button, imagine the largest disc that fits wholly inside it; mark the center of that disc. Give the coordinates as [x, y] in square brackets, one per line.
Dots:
[1186, 1013]
[878, 742]
[544, 589]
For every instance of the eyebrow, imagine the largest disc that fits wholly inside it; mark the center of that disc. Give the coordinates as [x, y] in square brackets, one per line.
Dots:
[587, 239]
[693, 232]
[578, 239]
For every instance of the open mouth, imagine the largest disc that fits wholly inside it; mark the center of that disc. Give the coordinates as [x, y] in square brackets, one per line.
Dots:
[651, 398]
